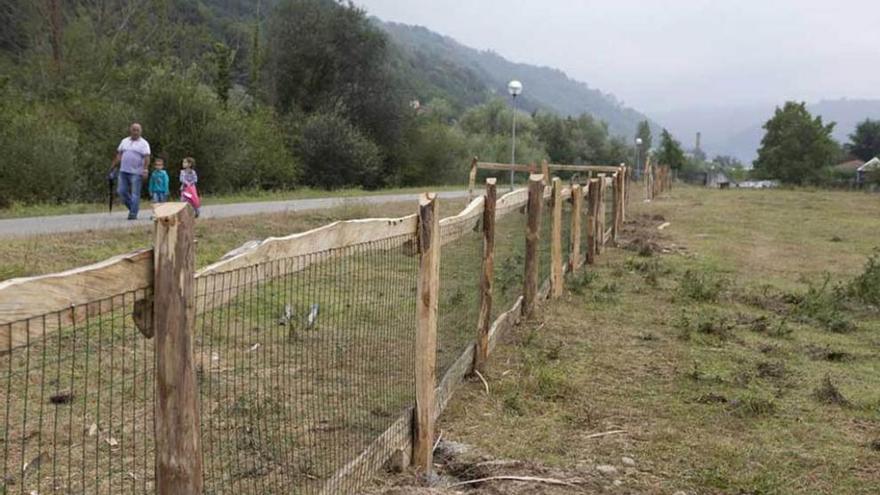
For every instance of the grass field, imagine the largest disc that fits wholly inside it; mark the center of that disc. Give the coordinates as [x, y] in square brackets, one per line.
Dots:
[718, 352]
[36, 255]
[19, 210]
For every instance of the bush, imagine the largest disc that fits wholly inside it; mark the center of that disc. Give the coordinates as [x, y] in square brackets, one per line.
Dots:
[335, 154]
[866, 287]
[702, 286]
[39, 154]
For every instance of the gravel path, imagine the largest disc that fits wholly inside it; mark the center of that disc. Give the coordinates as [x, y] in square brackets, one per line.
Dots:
[117, 219]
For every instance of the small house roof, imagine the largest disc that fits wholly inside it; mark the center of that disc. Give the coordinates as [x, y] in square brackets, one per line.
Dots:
[872, 164]
[849, 166]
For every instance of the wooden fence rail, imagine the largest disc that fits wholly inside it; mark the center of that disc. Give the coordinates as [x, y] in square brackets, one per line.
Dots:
[168, 269]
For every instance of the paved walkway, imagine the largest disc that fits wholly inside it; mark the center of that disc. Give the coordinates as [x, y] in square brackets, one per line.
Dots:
[117, 219]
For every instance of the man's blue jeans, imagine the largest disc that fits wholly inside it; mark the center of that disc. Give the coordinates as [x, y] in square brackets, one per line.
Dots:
[129, 190]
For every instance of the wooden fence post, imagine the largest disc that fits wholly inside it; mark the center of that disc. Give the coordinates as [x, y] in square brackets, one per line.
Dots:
[178, 441]
[486, 277]
[615, 205]
[556, 274]
[426, 332]
[472, 179]
[600, 215]
[592, 219]
[626, 184]
[533, 232]
[545, 171]
[577, 202]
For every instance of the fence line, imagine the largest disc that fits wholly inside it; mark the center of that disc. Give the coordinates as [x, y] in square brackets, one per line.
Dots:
[303, 361]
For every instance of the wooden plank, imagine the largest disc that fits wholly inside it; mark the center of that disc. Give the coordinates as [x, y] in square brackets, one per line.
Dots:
[545, 170]
[426, 333]
[178, 440]
[533, 230]
[550, 167]
[398, 437]
[472, 178]
[330, 237]
[456, 227]
[582, 168]
[556, 273]
[577, 205]
[504, 322]
[512, 201]
[502, 167]
[76, 294]
[454, 375]
[487, 276]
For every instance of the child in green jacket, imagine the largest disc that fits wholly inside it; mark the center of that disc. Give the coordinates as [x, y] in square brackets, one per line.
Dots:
[159, 182]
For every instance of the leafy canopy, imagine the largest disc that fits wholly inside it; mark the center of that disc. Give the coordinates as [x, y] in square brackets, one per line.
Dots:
[865, 141]
[797, 148]
[670, 153]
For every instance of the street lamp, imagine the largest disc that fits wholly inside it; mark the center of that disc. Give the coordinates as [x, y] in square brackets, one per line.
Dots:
[638, 149]
[514, 88]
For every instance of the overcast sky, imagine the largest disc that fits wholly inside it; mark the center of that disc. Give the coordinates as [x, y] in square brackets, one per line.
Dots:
[661, 55]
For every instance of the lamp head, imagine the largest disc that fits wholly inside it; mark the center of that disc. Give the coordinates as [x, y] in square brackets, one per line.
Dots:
[514, 88]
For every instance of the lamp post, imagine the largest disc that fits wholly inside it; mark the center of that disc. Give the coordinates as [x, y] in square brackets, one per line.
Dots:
[638, 150]
[514, 88]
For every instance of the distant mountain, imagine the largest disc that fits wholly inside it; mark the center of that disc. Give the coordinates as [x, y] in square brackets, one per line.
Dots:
[738, 131]
[468, 76]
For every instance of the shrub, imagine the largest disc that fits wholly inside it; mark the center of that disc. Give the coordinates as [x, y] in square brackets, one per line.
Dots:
[866, 286]
[39, 159]
[702, 286]
[335, 154]
[823, 304]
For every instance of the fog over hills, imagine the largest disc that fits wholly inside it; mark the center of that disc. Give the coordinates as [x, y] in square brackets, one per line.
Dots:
[545, 87]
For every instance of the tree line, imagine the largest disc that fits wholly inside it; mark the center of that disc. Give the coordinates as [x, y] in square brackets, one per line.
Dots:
[797, 148]
[266, 95]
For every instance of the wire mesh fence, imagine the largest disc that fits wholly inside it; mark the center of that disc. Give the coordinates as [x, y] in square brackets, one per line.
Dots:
[459, 298]
[510, 247]
[302, 362]
[77, 401]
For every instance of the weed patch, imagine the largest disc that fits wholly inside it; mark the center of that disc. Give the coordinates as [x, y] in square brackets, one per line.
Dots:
[751, 406]
[865, 288]
[823, 304]
[828, 393]
[651, 269]
[707, 322]
[827, 354]
[579, 283]
[700, 285]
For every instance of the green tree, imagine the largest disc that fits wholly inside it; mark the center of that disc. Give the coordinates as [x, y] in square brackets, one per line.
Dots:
[223, 58]
[865, 141]
[326, 56]
[644, 133]
[797, 148]
[670, 152]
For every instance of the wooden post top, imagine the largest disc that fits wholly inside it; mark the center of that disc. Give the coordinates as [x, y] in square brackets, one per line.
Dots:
[536, 177]
[426, 198]
[165, 210]
[491, 181]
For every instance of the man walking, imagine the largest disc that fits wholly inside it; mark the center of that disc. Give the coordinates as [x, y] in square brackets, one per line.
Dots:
[133, 160]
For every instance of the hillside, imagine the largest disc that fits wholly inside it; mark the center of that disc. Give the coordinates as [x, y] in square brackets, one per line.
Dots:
[446, 64]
